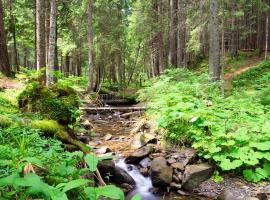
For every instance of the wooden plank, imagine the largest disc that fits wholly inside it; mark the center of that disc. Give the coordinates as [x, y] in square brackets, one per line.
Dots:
[96, 109]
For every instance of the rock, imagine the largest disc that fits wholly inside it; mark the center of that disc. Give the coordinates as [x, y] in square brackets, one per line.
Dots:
[117, 175]
[160, 172]
[126, 187]
[107, 137]
[182, 193]
[140, 154]
[176, 179]
[252, 198]
[231, 194]
[102, 150]
[171, 161]
[141, 139]
[120, 176]
[87, 124]
[175, 185]
[185, 156]
[144, 172]
[194, 175]
[144, 163]
[179, 166]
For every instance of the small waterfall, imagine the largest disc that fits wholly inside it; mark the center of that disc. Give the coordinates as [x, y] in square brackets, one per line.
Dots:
[143, 184]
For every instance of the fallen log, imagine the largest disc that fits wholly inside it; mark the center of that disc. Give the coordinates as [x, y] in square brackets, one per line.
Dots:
[111, 109]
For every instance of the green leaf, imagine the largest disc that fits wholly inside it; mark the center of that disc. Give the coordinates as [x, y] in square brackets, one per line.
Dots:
[109, 191]
[226, 164]
[249, 175]
[75, 184]
[58, 195]
[92, 162]
[263, 146]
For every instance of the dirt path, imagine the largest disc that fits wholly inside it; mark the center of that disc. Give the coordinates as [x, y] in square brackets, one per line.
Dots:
[244, 66]
[8, 83]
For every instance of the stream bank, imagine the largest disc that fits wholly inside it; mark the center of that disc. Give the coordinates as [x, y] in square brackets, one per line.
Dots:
[175, 173]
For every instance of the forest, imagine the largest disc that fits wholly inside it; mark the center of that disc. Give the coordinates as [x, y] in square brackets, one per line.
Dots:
[134, 99]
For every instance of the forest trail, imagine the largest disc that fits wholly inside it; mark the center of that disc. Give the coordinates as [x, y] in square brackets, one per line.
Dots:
[8, 83]
[242, 67]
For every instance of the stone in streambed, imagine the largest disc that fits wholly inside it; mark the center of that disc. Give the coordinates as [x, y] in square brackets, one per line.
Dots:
[194, 175]
[107, 137]
[141, 139]
[103, 150]
[138, 155]
[180, 166]
[160, 172]
[233, 194]
[117, 175]
[144, 163]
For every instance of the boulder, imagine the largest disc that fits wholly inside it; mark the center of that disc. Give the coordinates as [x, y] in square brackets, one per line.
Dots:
[194, 175]
[234, 194]
[117, 175]
[161, 173]
[141, 139]
[140, 154]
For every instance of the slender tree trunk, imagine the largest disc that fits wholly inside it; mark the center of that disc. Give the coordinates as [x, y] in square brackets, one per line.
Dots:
[266, 34]
[4, 61]
[40, 34]
[214, 51]
[13, 31]
[90, 45]
[172, 33]
[47, 27]
[181, 34]
[52, 43]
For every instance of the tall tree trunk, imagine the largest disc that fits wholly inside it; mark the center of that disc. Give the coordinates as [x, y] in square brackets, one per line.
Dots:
[266, 34]
[234, 42]
[47, 27]
[4, 61]
[90, 45]
[172, 33]
[214, 51]
[181, 34]
[52, 43]
[40, 34]
[13, 31]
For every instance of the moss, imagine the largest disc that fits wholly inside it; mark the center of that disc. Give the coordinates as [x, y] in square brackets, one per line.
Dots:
[49, 127]
[52, 128]
[57, 102]
[5, 121]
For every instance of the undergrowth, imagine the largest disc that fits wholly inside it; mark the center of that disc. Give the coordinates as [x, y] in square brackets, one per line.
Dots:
[233, 131]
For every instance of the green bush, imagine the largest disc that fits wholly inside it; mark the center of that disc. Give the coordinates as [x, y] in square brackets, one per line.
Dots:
[58, 102]
[232, 131]
[5, 121]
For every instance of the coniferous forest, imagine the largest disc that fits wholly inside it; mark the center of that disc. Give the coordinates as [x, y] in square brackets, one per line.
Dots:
[134, 99]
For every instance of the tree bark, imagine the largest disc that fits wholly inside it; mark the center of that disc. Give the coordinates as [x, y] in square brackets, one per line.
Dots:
[266, 34]
[90, 45]
[40, 34]
[181, 34]
[4, 61]
[172, 33]
[214, 51]
[52, 43]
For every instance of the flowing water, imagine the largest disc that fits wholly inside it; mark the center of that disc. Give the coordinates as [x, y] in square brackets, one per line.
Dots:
[143, 184]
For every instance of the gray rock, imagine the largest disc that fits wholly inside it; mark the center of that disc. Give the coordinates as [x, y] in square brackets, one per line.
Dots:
[87, 124]
[175, 185]
[176, 179]
[102, 150]
[194, 175]
[141, 139]
[171, 161]
[144, 172]
[232, 194]
[180, 166]
[140, 154]
[160, 172]
[107, 137]
[144, 163]
[116, 174]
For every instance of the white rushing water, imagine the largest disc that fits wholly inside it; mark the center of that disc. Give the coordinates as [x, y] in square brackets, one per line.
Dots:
[143, 184]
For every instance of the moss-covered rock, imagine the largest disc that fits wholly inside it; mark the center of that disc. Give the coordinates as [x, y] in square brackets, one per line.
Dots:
[58, 102]
[51, 128]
